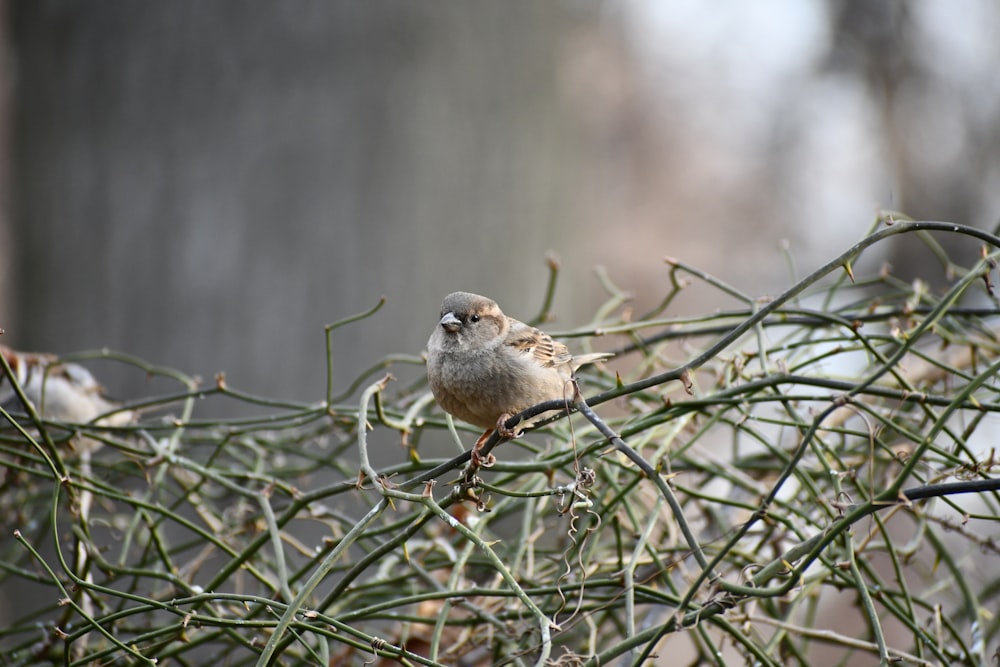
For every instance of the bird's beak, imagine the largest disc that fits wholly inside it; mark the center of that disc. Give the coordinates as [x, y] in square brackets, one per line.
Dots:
[451, 323]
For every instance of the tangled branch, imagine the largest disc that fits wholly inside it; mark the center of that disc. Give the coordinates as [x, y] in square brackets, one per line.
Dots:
[798, 480]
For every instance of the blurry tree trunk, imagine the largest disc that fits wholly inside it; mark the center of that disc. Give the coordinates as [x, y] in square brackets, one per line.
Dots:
[207, 184]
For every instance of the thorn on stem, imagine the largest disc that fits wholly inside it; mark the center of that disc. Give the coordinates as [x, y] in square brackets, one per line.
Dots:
[849, 270]
[686, 381]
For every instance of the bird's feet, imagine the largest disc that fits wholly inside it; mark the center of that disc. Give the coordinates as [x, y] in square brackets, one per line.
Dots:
[476, 458]
[503, 431]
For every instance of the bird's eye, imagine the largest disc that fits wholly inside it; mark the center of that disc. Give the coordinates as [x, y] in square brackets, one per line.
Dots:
[474, 318]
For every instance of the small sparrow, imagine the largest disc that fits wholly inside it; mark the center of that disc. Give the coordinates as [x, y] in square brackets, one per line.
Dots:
[63, 392]
[485, 367]
[59, 391]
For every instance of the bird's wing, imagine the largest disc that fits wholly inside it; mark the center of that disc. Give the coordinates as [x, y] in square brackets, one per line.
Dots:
[544, 351]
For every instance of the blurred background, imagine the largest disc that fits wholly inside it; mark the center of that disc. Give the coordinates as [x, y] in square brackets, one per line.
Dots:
[205, 185]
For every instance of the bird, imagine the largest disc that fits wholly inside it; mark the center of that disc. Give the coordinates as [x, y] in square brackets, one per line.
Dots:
[64, 392]
[483, 367]
[59, 391]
